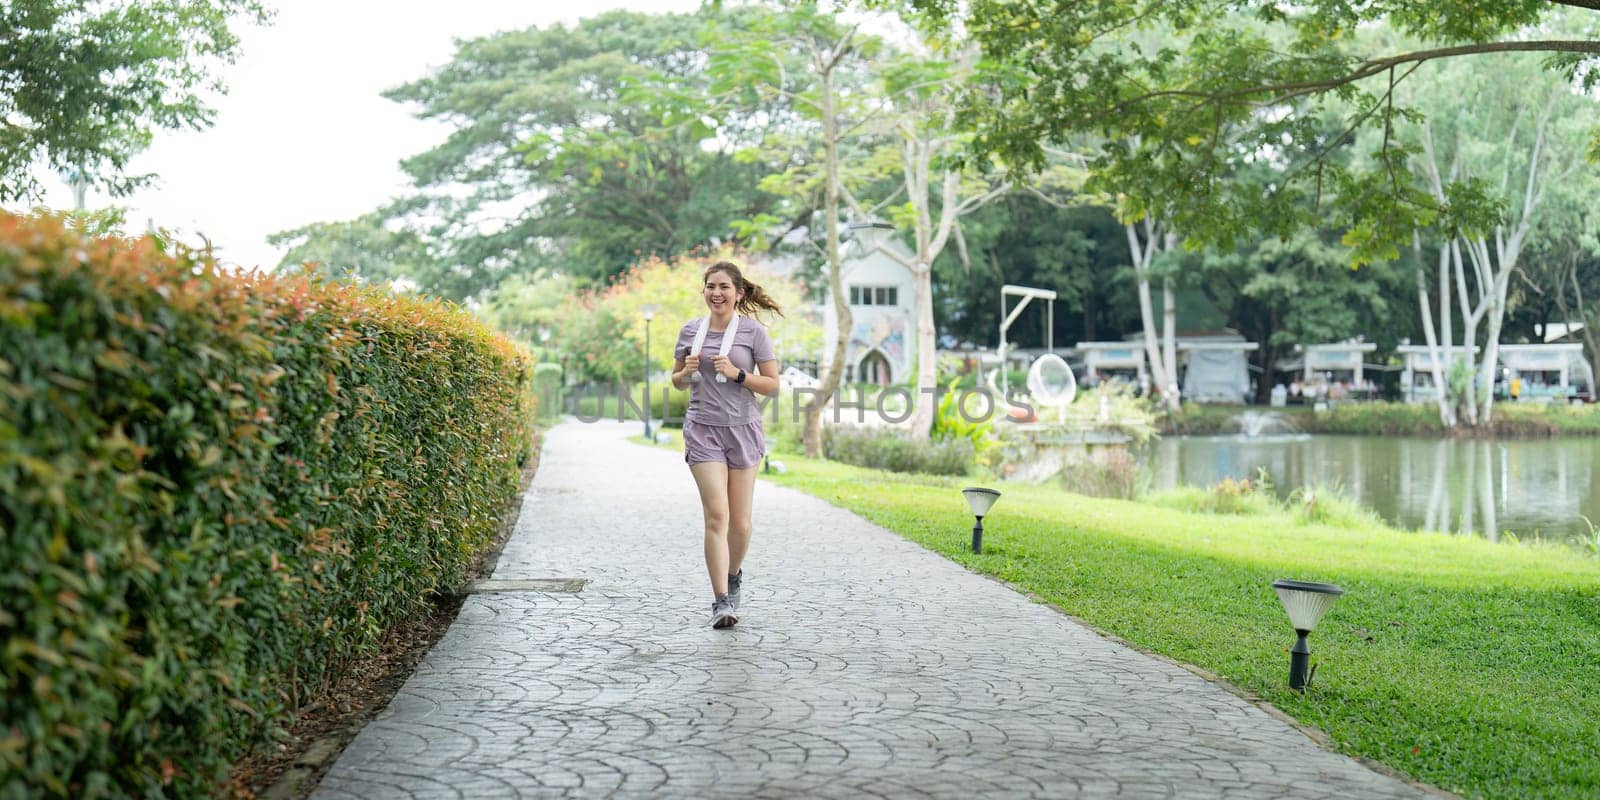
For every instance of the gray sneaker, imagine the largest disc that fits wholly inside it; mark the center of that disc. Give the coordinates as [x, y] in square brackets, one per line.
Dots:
[722, 615]
[734, 582]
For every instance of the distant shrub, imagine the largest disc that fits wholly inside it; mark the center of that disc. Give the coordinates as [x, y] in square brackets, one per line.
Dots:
[951, 421]
[1242, 496]
[1227, 496]
[892, 450]
[677, 402]
[547, 386]
[784, 428]
[1314, 505]
[1322, 505]
[1422, 419]
[1377, 419]
[1545, 419]
[1114, 474]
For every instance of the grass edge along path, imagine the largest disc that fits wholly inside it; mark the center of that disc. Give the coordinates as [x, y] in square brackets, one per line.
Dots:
[1461, 663]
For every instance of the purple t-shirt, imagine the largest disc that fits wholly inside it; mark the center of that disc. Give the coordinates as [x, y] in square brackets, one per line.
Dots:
[712, 403]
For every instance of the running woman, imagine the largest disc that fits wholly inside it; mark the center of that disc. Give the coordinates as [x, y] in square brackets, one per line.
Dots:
[725, 359]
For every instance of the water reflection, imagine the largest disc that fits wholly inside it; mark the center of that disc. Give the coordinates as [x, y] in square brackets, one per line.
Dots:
[1530, 487]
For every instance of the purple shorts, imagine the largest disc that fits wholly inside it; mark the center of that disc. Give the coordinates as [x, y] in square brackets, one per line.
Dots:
[738, 446]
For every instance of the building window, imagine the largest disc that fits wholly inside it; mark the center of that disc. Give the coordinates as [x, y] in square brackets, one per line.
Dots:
[874, 296]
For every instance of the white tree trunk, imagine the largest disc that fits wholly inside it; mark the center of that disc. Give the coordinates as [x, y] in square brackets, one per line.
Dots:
[812, 433]
[1469, 334]
[1169, 339]
[1160, 351]
[1447, 414]
[927, 355]
[1491, 268]
[930, 234]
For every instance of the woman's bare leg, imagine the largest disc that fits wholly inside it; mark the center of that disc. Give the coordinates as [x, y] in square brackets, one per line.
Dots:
[712, 479]
[741, 498]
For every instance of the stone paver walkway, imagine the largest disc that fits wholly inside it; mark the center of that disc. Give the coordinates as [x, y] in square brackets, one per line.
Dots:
[864, 666]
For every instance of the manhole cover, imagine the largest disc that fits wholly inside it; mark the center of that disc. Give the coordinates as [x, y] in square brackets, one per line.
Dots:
[529, 585]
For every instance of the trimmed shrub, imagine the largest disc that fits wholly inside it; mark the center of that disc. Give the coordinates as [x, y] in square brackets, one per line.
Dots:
[785, 428]
[1378, 419]
[1328, 505]
[547, 388]
[893, 451]
[1545, 419]
[677, 402]
[1227, 496]
[214, 490]
[598, 401]
[1114, 474]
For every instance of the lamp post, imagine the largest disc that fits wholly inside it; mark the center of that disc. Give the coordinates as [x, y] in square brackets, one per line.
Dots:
[981, 500]
[1306, 603]
[563, 382]
[649, 314]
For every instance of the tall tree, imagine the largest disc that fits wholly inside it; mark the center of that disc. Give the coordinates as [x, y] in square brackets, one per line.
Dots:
[758, 67]
[84, 85]
[373, 248]
[1079, 251]
[1234, 81]
[1280, 293]
[1511, 137]
[919, 93]
[1150, 237]
[577, 149]
[1561, 275]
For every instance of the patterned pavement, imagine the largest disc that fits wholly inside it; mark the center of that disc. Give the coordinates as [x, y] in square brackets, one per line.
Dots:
[863, 666]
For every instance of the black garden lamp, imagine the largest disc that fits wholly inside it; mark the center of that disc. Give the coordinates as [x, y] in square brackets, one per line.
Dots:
[981, 500]
[1306, 603]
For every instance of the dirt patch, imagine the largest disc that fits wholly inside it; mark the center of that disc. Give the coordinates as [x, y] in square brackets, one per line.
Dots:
[332, 717]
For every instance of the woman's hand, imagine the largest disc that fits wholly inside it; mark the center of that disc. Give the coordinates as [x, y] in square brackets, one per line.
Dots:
[691, 363]
[724, 367]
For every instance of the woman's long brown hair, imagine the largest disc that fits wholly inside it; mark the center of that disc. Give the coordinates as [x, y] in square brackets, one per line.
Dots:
[755, 298]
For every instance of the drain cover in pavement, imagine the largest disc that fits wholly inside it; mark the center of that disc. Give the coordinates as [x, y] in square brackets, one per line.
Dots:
[532, 585]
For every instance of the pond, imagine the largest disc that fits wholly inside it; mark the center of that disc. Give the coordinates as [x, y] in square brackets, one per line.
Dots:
[1533, 487]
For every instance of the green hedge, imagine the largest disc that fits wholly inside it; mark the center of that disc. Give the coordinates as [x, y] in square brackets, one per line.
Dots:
[214, 490]
[677, 402]
[1394, 419]
[618, 403]
[547, 387]
[892, 450]
[1422, 419]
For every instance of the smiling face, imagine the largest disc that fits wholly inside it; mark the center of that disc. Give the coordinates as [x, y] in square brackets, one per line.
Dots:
[721, 294]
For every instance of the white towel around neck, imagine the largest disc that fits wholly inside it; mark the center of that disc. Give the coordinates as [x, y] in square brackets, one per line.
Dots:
[727, 342]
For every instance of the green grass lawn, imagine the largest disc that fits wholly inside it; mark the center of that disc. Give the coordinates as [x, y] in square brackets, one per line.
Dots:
[1469, 665]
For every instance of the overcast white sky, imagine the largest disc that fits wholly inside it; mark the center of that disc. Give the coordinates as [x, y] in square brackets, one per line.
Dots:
[303, 134]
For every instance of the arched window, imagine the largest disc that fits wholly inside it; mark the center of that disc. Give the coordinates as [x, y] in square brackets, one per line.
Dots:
[874, 368]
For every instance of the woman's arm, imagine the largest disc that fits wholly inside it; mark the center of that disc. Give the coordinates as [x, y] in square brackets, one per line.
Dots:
[766, 382]
[682, 369]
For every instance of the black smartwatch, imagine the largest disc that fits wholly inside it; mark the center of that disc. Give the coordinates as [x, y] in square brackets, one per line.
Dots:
[739, 379]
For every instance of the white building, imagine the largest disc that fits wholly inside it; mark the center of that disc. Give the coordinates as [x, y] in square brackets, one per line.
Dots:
[1336, 369]
[1114, 361]
[1554, 371]
[1416, 381]
[883, 332]
[1216, 369]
